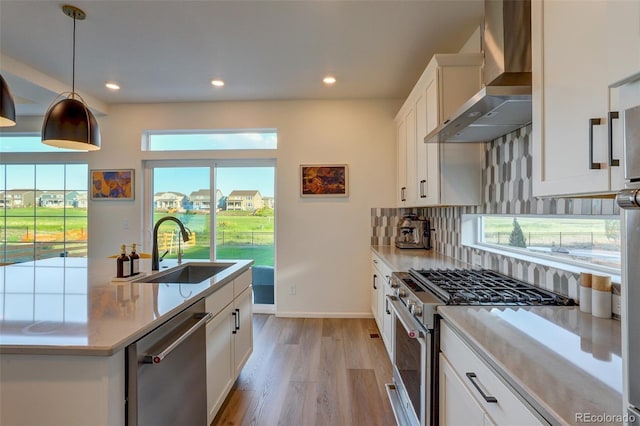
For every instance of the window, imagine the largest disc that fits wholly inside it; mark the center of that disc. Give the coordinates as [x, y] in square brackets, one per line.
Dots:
[580, 241]
[211, 140]
[43, 211]
[19, 142]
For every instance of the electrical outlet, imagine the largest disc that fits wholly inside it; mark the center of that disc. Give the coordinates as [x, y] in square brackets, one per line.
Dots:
[292, 290]
[125, 224]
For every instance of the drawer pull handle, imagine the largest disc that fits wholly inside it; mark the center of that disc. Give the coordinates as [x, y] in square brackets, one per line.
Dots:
[472, 378]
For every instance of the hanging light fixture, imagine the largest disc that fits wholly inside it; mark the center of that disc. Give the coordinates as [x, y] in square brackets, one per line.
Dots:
[69, 123]
[7, 105]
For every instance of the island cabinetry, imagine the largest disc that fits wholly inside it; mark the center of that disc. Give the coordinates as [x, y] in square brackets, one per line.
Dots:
[430, 173]
[465, 380]
[229, 339]
[62, 390]
[577, 138]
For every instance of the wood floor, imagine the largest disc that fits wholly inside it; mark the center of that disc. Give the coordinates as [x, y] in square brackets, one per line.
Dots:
[311, 371]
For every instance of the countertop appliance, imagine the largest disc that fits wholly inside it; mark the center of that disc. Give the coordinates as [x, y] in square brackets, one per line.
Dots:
[629, 201]
[413, 232]
[166, 380]
[417, 294]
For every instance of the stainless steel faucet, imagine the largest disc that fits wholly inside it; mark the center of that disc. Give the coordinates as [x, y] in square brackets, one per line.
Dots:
[155, 257]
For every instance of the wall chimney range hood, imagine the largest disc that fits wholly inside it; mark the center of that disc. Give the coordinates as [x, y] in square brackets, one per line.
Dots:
[504, 103]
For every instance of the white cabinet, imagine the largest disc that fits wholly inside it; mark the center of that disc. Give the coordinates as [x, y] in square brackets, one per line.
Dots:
[229, 339]
[457, 405]
[623, 39]
[438, 174]
[220, 375]
[381, 287]
[572, 153]
[471, 392]
[243, 336]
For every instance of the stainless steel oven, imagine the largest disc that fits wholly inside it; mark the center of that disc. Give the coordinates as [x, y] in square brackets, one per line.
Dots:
[412, 355]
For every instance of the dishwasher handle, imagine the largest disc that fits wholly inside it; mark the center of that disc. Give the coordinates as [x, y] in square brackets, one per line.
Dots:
[203, 318]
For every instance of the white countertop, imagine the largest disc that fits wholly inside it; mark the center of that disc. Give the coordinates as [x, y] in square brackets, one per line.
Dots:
[404, 259]
[70, 306]
[562, 361]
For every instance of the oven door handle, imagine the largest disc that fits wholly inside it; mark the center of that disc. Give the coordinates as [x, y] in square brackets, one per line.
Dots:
[411, 326]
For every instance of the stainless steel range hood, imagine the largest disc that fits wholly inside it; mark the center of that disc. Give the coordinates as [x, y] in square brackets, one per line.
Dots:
[504, 103]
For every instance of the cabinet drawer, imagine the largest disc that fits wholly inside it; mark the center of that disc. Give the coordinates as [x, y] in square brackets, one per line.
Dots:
[216, 302]
[378, 263]
[241, 283]
[479, 377]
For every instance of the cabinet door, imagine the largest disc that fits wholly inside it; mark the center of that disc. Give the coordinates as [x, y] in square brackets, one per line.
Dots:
[457, 405]
[220, 373]
[569, 90]
[375, 283]
[243, 327]
[401, 152]
[623, 33]
[421, 150]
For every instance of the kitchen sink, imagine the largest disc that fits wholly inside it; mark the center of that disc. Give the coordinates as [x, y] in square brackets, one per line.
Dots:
[190, 273]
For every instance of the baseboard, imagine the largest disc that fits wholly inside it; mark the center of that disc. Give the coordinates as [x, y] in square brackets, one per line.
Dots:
[323, 314]
[259, 308]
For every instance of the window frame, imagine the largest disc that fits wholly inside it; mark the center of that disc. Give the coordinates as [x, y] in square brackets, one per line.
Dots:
[149, 134]
[472, 229]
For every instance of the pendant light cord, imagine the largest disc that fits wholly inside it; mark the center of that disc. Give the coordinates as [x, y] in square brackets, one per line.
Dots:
[73, 66]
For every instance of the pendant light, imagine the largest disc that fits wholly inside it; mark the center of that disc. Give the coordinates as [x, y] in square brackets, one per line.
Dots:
[69, 123]
[7, 105]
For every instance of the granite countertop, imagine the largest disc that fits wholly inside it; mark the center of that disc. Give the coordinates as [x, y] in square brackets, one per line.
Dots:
[71, 306]
[567, 364]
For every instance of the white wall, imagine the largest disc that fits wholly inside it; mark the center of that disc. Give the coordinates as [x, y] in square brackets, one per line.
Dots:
[322, 244]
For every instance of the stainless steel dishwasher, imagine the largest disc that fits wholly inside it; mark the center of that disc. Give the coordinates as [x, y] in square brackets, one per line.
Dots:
[166, 377]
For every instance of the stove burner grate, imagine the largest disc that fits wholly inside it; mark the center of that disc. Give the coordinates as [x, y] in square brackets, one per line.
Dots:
[484, 287]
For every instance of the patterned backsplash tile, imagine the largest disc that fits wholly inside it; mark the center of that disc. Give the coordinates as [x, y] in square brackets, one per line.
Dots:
[507, 189]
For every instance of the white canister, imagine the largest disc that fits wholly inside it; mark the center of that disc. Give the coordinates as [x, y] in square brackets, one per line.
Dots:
[585, 292]
[601, 296]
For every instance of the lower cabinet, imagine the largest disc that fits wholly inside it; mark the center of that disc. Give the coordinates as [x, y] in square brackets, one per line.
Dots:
[229, 339]
[471, 392]
[381, 287]
[457, 406]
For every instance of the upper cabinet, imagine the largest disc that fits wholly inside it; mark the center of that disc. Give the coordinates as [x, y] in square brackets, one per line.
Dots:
[577, 142]
[439, 174]
[623, 39]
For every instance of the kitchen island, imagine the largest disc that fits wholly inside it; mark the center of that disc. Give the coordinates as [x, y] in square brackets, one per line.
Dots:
[64, 329]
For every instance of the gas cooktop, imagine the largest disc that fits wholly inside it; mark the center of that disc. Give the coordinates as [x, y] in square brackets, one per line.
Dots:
[484, 287]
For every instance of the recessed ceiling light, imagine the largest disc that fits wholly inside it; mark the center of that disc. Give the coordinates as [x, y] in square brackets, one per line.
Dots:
[217, 82]
[329, 80]
[112, 86]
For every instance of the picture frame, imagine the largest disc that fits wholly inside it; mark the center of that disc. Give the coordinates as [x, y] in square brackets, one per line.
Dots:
[111, 184]
[324, 180]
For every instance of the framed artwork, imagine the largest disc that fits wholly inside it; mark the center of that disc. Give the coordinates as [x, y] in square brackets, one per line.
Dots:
[324, 180]
[116, 184]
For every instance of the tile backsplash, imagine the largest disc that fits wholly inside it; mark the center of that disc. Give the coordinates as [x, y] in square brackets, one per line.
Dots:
[507, 189]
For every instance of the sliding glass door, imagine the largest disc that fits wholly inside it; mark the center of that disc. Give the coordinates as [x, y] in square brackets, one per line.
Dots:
[229, 209]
